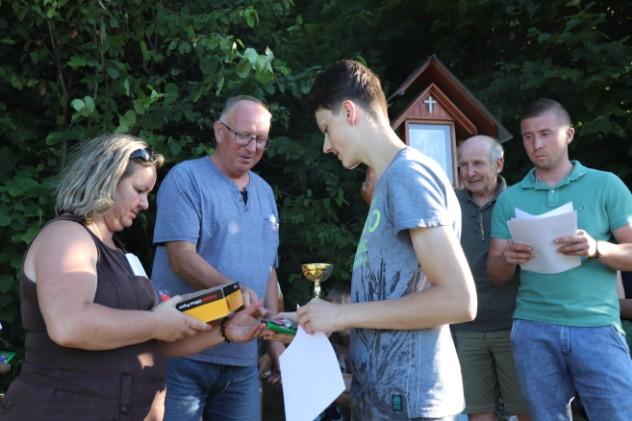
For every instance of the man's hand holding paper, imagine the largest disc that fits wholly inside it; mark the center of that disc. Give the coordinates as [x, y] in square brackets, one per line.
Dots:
[555, 242]
[580, 244]
[517, 253]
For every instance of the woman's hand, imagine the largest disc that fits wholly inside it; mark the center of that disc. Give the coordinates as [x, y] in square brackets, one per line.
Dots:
[173, 325]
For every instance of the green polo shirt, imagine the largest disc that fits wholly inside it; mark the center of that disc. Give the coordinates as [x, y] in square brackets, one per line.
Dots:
[495, 304]
[586, 295]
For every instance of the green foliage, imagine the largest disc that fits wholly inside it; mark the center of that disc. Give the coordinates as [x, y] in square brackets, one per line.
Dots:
[321, 213]
[508, 53]
[71, 70]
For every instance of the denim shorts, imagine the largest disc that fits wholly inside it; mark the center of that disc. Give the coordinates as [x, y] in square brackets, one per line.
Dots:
[212, 391]
[555, 362]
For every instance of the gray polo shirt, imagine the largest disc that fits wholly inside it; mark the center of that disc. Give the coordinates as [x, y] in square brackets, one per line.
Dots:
[495, 304]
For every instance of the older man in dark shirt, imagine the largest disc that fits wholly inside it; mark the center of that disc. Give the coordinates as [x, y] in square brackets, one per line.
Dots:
[484, 344]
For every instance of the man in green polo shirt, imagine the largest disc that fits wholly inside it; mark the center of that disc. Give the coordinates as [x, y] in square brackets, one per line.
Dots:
[484, 344]
[566, 334]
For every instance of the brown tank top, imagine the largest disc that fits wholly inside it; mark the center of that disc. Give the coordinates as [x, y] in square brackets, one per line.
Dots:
[117, 287]
[68, 383]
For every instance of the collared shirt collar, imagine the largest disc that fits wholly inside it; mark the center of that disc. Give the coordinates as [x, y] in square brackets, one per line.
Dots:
[530, 181]
[501, 186]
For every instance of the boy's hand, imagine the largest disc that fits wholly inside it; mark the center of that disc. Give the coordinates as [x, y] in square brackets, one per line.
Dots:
[517, 253]
[320, 316]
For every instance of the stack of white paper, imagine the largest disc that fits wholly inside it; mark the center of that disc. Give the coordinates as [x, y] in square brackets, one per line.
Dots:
[311, 376]
[539, 231]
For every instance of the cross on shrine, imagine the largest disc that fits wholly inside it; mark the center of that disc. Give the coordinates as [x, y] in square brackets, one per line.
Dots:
[431, 102]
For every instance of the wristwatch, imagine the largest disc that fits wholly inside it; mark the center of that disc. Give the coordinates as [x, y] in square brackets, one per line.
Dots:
[596, 254]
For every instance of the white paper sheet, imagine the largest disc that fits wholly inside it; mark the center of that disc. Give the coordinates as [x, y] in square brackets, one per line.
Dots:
[311, 376]
[568, 207]
[539, 231]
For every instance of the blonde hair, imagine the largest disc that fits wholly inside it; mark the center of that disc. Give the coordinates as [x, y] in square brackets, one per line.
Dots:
[88, 184]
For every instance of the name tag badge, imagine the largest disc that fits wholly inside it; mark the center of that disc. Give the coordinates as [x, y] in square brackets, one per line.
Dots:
[135, 264]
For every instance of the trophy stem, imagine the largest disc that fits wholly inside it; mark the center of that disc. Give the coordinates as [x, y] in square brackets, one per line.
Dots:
[317, 273]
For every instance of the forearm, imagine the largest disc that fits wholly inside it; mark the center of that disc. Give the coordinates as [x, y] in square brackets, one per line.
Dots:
[193, 344]
[499, 271]
[271, 300]
[242, 326]
[451, 297]
[96, 327]
[196, 271]
[616, 256]
[271, 303]
[430, 308]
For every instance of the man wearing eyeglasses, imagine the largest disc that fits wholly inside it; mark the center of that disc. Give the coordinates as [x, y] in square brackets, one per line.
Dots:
[217, 222]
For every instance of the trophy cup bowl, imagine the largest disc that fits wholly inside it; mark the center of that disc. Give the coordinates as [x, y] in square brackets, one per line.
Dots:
[317, 273]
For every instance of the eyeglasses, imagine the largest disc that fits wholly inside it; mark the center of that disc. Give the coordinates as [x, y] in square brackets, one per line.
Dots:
[244, 139]
[145, 154]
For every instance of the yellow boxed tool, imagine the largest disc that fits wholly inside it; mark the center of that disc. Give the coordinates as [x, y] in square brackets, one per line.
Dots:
[212, 303]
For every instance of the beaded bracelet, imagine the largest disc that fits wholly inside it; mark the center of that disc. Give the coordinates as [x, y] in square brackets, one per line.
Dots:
[222, 329]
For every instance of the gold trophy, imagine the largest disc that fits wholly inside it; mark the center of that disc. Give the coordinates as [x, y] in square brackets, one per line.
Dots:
[317, 273]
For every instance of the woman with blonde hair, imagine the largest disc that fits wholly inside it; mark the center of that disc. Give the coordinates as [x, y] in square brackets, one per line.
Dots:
[96, 336]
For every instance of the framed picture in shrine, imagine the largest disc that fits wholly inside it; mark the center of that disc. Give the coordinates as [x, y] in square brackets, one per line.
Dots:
[436, 140]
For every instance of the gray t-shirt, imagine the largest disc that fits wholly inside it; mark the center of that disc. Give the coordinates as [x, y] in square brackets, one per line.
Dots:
[402, 374]
[198, 203]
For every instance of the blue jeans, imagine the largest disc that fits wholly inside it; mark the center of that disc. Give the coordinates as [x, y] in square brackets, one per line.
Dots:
[214, 391]
[555, 362]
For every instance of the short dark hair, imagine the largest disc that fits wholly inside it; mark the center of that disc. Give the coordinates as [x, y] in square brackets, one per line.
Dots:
[544, 105]
[347, 79]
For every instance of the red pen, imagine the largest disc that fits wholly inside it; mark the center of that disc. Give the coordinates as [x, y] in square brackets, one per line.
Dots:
[163, 295]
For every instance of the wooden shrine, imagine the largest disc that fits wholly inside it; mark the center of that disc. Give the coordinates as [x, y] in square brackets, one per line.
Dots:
[434, 112]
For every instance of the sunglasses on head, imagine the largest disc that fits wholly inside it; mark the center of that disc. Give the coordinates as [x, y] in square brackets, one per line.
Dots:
[145, 154]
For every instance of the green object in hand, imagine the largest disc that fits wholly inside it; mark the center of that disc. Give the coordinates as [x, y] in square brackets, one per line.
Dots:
[281, 326]
[6, 357]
